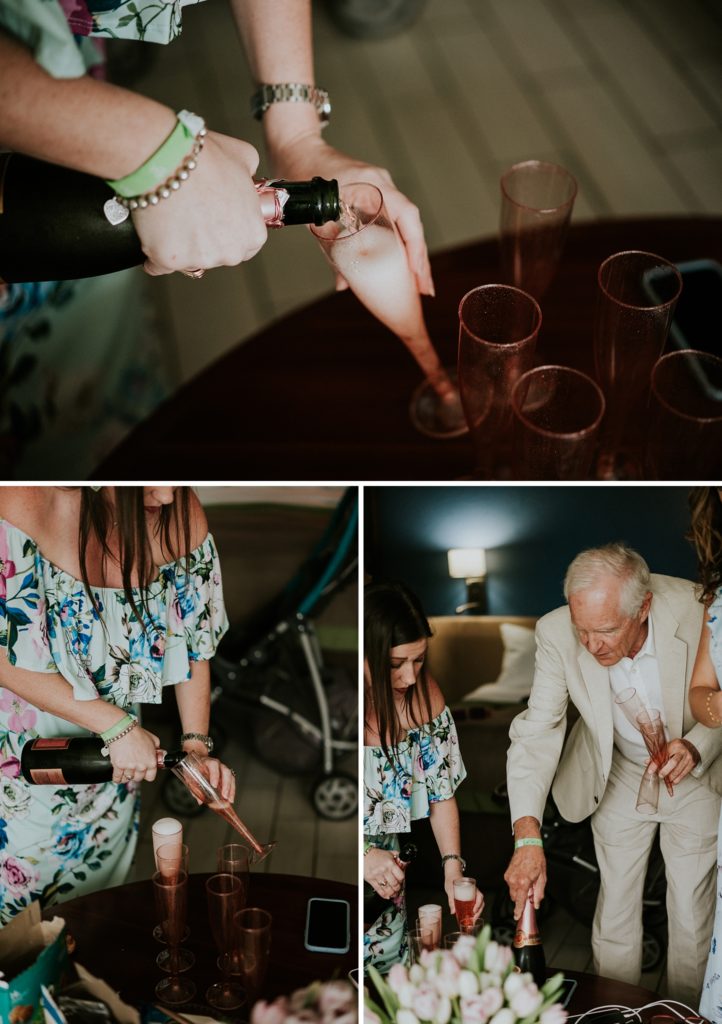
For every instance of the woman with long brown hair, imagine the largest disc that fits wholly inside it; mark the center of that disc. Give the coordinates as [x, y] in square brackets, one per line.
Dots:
[705, 695]
[107, 596]
[412, 762]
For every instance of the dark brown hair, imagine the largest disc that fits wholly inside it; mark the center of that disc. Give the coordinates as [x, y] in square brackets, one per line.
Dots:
[393, 616]
[706, 535]
[99, 516]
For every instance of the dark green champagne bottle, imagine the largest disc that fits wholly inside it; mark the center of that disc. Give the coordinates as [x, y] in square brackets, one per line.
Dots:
[528, 949]
[53, 226]
[74, 760]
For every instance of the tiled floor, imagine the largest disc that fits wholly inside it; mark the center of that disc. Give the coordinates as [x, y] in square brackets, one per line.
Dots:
[624, 93]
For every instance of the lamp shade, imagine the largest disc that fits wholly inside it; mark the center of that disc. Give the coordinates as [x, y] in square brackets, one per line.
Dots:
[467, 563]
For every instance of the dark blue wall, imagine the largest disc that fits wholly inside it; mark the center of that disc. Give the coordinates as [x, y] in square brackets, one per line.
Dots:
[531, 534]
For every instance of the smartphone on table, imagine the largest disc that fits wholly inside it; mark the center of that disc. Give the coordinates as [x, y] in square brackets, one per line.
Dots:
[328, 926]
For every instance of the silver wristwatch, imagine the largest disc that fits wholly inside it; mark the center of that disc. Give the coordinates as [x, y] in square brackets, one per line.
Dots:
[201, 737]
[291, 92]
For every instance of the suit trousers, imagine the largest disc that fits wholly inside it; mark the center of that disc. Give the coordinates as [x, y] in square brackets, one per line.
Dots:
[623, 838]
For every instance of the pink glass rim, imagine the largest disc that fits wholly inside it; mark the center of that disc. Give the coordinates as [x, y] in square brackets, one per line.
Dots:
[566, 371]
[372, 220]
[250, 913]
[231, 884]
[170, 883]
[652, 256]
[665, 361]
[506, 345]
[538, 165]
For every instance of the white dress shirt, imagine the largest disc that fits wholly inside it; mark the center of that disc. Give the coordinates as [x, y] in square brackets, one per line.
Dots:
[641, 672]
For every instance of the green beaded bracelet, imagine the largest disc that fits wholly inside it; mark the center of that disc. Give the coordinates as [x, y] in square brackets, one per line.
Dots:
[115, 730]
[518, 843]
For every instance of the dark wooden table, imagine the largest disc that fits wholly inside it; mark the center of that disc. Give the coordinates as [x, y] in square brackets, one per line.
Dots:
[323, 393]
[593, 991]
[113, 928]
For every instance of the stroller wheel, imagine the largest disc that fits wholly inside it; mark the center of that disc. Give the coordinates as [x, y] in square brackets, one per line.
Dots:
[179, 799]
[335, 797]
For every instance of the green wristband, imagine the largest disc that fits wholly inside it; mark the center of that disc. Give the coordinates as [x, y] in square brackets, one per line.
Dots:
[518, 843]
[164, 162]
[115, 730]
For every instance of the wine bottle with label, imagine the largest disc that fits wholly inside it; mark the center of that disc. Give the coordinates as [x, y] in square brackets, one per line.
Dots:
[528, 949]
[75, 760]
[57, 224]
[375, 905]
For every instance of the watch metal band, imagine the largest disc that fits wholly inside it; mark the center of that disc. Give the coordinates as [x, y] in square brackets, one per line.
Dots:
[454, 856]
[290, 92]
[201, 737]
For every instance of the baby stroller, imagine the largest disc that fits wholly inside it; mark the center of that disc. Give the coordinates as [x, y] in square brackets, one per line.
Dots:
[573, 883]
[298, 716]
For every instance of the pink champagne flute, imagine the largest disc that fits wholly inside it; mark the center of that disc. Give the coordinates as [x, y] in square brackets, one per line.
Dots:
[557, 413]
[224, 901]
[498, 329]
[192, 773]
[536, 206]
[235, 859]
[172, 862]
[464, 900]
[171, 895]
[364, 246]
[630, 331]
[651, 726]
[166, 832]
[253, 939]
[429, 916]
[685, 417]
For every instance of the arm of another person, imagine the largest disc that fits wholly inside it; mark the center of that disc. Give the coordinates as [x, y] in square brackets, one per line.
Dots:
[445, 824]
[214, 219]
[277, 37]
[537, 737]
[132, 754]
[703, 743]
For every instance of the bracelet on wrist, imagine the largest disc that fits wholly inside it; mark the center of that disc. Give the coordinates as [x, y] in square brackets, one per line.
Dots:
[121, 728]
[163, 173]
[368, 847]
[715, 719]
[518, 843]
[453, 856]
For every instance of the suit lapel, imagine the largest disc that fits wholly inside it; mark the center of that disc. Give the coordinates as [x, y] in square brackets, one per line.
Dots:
[671, 660]
[596, 681]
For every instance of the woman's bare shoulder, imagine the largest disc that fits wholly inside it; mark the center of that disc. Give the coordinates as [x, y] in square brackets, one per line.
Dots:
[436, 697]
[198, 520]
[27, 508]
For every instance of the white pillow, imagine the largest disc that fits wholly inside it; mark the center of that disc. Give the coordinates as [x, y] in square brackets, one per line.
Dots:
[517, 668]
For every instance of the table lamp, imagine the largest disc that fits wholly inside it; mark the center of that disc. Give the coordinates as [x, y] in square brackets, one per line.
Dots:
[469, 564]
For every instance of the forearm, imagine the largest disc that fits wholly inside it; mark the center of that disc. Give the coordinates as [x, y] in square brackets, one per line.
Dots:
[445, 826]
[50, 692]
[527, 827]
[277, 37]
[81, 123]
[193, 697]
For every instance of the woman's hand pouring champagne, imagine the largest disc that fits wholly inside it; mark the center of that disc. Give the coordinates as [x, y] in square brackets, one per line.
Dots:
[383, 872]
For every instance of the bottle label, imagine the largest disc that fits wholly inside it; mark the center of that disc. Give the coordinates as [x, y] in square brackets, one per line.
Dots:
[523, 939]
[54, 743]
[47, 776]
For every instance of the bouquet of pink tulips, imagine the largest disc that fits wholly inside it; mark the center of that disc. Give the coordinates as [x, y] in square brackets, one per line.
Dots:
[475, 982]
[328, 1002]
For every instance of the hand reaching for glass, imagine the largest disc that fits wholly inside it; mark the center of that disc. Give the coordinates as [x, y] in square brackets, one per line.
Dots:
[365, 248]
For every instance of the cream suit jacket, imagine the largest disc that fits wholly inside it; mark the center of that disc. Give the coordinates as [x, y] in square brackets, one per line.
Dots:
[576, 771]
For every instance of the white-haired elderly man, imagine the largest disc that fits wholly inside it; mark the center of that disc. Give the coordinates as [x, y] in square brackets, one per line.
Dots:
[621, 627]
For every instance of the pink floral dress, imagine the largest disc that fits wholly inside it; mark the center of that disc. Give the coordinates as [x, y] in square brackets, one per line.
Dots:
[57, 842]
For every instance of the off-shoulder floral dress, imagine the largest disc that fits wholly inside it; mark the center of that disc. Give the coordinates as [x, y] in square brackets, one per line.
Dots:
[58, 842]
[711, 1004]
[428, 768]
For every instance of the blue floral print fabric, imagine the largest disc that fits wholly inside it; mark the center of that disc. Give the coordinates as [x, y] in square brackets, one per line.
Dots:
[711, 1004]
[60, 842]
[427, 768]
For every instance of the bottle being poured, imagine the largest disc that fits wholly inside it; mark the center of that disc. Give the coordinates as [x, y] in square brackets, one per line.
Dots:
[192, 774]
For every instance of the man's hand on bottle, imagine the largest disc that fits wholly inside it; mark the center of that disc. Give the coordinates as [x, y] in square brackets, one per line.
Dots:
[383, 872]
[213, 220]
[527, 867]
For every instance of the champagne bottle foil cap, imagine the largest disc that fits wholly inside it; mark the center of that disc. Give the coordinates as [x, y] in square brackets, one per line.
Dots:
[272, 199]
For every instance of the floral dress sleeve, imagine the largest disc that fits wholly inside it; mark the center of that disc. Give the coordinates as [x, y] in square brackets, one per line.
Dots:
[714, 621]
